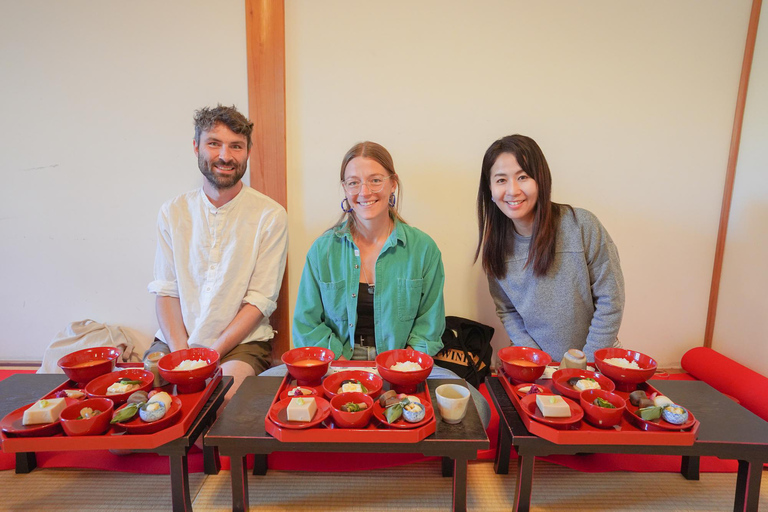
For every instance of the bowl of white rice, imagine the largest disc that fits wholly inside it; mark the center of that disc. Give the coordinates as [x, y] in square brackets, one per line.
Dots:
[404, 369]
[627, 368]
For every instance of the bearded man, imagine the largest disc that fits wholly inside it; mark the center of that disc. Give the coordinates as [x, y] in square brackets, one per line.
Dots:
[221, 252]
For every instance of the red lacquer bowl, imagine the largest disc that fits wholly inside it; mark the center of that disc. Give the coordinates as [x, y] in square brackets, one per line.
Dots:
[85, 365]
[320, 359]
[408, 381]
[345, 419]
[518, 372]
[97, 388]
[93, 426]
[372, 382]
[560, 381]
[626, 379]
[601, 416]
[188, 381]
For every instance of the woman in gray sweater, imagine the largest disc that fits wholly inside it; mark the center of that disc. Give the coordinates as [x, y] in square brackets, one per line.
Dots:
[553, 270]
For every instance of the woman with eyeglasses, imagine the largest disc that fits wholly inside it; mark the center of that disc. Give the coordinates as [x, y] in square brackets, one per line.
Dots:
[371, 283]
[553, 270]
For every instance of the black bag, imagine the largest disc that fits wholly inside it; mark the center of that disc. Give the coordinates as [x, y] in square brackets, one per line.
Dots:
[467, 349]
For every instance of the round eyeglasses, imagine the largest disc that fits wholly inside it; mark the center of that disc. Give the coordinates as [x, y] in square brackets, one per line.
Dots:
[374, 184]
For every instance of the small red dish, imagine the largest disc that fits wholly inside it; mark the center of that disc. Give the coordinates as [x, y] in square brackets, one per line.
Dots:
[315, 391]
[138, 426]
[345, 419]
[279, 415]
[188, 381]
[659, 424]
[602, 417]
[97, 388]
[404, 381]
[93, 426]
[519, 389]
[12, 423]
[308, 375]
[372, 382]
[560, 381]
[529, 406]
[538, 360]
[626, 379]
[378, 413]
[85, 365]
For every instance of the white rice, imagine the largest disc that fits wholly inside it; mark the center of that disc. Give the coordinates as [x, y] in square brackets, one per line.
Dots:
[189, 364]
[622, 363]
[406, 366]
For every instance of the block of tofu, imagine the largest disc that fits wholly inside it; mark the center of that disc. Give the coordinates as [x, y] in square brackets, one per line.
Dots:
[44, 411]
[553, 406]
[301, 409]
[583, 384]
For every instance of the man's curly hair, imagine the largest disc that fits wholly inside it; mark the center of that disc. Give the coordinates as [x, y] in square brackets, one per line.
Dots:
[206, 118]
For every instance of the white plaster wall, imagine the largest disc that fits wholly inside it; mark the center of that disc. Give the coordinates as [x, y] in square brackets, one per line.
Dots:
[632, 102]
[96, 102]
[741, 327]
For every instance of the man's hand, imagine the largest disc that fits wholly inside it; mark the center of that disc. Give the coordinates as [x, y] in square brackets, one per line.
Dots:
[244, 322]
[168, 310]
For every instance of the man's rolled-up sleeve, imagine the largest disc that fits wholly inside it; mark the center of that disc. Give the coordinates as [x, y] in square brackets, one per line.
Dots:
[267, 277]
[164, 282]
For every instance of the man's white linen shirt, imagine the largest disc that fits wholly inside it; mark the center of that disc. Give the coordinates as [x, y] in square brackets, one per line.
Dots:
[216, 259]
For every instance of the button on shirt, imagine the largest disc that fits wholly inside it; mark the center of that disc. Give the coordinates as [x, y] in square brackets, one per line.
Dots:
[216, 259]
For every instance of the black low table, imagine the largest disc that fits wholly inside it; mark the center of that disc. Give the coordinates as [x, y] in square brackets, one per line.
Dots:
[727, 431]
[21, 389]
[239, 431]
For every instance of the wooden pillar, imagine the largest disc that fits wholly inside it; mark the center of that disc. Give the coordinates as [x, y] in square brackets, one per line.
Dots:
[730, 173]
[265, 40]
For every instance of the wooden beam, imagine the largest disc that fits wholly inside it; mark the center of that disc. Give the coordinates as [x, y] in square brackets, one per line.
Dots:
[265, 40]
[730, 174]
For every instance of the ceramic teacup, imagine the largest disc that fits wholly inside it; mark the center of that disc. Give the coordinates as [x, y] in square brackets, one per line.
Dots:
[452, 400]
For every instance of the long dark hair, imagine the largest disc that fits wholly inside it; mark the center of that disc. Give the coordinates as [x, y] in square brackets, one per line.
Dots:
[495, 239]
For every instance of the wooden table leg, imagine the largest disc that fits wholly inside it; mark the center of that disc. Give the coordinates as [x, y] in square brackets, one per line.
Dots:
[182, 501]
[524, 483]
[503, 448]
[239, 473]
[260, 464]
[748, 486]
[25, 462]
[211, 460]
[447, 466]
[689, 467]
[460, 484]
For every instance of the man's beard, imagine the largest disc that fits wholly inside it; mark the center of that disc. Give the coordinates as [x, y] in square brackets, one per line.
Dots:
[221, 182]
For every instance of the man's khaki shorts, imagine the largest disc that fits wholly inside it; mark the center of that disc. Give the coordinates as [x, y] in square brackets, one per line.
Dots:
[257, 354]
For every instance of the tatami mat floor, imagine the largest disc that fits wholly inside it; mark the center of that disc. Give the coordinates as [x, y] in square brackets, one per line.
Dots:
[413, 487]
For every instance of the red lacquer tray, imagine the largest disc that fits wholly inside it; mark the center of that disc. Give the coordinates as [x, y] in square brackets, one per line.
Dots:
[116, 438]
[628, 431]
[375, 432]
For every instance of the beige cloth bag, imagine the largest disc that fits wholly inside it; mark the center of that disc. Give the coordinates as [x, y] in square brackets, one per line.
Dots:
[87, 334]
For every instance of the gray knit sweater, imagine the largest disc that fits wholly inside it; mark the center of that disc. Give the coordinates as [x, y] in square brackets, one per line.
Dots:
[578, 304]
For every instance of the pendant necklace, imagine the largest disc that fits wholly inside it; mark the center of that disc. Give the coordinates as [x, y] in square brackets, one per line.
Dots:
[371, 286]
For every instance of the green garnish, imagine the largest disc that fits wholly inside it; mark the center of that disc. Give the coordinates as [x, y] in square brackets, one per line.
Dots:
[126, 413]
[602, 402]
[43, 403]
[393, 412]
[129, 381]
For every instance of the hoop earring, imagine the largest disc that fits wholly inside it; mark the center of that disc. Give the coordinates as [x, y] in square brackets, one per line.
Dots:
[348, 205]
[392, 200]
